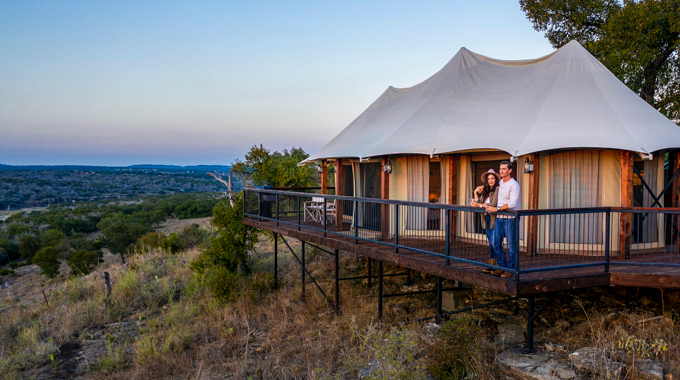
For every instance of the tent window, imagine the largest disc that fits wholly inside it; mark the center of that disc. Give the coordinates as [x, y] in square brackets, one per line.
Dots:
[576, 181]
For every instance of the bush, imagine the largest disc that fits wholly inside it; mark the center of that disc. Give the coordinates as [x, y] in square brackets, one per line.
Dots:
[223, 283]
[150, 241]
[450, 356]
[6, 272]
[46, 259]
[82, 262]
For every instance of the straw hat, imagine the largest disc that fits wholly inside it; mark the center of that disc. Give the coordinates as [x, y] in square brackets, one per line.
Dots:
[491, 171]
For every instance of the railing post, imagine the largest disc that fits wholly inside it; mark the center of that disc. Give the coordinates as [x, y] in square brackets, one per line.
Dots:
[356, 222]
[277, 209]
[324, 217]
[607, 228]
[447, 236]
[516, 238]
[299, 212]
[396, 228]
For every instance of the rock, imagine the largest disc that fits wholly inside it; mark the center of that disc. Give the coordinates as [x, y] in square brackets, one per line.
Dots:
[593, 360]
[551, 347]
[511, 331]
[452, 300]
[648, 369]
[672, 296]
[539, 365]
[646, 302]
[562, 324]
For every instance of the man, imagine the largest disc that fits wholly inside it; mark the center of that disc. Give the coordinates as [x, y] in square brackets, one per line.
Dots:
[506, 225]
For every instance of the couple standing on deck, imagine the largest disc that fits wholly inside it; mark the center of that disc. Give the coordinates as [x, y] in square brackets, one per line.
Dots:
[499, 193]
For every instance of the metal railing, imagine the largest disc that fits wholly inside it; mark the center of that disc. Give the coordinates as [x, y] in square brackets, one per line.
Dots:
[545, 240]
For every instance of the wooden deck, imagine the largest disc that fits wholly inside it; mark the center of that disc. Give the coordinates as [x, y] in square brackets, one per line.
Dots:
[469, 273]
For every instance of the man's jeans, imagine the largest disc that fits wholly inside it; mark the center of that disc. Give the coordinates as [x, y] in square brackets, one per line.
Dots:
[505, 228]
[490, 235]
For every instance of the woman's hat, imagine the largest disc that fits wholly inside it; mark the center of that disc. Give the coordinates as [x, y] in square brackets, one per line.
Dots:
[491, 171]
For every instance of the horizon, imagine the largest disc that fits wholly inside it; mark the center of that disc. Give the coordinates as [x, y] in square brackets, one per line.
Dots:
[114, 84]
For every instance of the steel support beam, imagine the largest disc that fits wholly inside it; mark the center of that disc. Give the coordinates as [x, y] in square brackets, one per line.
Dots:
[380, 289]
[337, 281]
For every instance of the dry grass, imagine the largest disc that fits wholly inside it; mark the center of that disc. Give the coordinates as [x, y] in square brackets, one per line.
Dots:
[162, 323]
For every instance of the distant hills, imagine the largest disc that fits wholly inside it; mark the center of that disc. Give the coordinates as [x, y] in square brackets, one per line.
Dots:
[133, 168]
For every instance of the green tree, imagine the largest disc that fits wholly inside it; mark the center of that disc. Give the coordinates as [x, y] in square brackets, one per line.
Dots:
[639, 41]
[28, 246]
[277, 169]
[121, 233]
[82, 262]
[235, 239]
[46, 259]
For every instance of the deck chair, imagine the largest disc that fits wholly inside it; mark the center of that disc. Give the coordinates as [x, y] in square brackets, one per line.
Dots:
[331, 212]
[314, 210]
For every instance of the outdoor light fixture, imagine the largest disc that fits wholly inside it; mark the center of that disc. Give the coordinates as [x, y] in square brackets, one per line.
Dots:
[388, 167]
[528, 165]
[319, 169]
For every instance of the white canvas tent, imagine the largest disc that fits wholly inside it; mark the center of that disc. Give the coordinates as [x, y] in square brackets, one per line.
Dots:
[564, 100]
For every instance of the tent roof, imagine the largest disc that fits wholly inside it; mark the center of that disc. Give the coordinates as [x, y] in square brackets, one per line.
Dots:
[566, 99]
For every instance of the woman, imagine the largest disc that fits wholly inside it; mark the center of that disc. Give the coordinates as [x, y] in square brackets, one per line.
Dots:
[488, 195]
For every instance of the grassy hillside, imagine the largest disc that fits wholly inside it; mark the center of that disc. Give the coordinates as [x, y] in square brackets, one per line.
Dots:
[161, 322]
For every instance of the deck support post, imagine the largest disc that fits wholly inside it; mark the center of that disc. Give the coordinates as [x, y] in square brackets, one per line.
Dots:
[337, 281]
[369, 267]
[302, 272]
[439, 299]
[380, 289]
[276, 260]
[408, 276]
[531, 316]
[530, 325]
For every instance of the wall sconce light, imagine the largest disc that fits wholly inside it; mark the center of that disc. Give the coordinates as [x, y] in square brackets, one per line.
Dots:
[528, 165]
[388, 167]
[319, 169]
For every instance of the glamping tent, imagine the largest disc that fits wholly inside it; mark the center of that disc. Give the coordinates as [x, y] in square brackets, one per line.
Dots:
[564, 113]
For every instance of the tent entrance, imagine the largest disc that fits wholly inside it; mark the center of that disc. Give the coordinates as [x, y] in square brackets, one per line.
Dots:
[367, 185]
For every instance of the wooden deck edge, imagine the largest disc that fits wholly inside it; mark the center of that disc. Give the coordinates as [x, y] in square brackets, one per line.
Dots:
[643, 280]
[449, 272]
[557, 284]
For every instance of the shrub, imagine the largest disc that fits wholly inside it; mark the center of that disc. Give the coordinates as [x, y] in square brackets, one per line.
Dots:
[150, 241]
[46, 259]
[82, 262]
[386, 355]
[223, 283]
[6, 272]
[450, 357]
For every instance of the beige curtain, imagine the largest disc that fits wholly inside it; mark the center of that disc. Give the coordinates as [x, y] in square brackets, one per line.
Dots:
[576, 181]
[417, 189]
[646, 226]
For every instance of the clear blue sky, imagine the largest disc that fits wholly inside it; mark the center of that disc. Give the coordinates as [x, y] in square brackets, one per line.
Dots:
[167, 82]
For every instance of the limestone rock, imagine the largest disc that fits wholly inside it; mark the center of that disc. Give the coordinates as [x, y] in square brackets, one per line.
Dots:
[593, 360]
[511, 331]
[538, 366]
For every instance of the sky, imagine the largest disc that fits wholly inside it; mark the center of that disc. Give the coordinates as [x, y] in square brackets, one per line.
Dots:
[200, 82]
